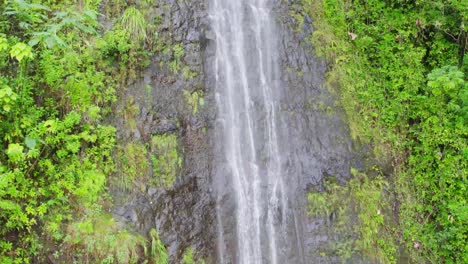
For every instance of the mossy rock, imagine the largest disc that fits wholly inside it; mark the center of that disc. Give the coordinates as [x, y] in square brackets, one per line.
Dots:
[165, 159]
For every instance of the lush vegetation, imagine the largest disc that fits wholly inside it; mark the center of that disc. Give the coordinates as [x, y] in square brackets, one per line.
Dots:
[400, 70]
[61, 71]
[357, 217]
[398, 66]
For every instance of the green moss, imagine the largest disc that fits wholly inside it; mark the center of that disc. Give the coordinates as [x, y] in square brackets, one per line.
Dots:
[133, 22]
[158, 252]
[133, 166]
[194, 100]
[187, 73]
[298, 18]
[98, 238]
[178, 54]
[128, 112]
[362, 197]
[189, 258]
[166, 160]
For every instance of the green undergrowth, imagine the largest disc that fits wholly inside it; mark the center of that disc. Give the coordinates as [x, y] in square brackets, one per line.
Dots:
[166, 160]
[132, 167]
[189, 258]
[61, 72]
[140, 166]
[194, 100]
[400, 69]
[366, 235]
[157, 251]
[99, 239]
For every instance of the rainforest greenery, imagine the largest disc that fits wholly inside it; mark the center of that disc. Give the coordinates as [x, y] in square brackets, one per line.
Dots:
[398, 67]
[61, 72]
[400, 70]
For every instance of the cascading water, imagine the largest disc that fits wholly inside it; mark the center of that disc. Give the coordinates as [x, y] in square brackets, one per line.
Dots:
[248, 89]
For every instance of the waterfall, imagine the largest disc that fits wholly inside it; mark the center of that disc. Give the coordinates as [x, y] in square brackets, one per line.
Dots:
[248, 88]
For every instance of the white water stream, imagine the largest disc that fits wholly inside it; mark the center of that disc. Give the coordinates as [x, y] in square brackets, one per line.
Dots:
[247, 87]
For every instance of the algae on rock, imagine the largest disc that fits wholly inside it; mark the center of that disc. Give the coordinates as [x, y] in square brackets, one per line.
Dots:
[194, 100]
[166, 160]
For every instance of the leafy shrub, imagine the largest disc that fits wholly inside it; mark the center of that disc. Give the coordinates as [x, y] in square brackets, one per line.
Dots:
[364, 197]
[58, 81]
[392, 62]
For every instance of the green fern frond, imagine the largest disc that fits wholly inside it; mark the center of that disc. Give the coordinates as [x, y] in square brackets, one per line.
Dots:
[134, 23]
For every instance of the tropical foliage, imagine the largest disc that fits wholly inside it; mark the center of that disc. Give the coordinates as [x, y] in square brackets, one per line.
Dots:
[60, 73]
[401, 70]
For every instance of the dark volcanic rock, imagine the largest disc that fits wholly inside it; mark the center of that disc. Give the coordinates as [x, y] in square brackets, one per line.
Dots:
[317, 144]
[182, 214]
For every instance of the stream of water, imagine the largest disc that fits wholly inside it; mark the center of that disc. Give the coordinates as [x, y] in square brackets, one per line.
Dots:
[247, 89]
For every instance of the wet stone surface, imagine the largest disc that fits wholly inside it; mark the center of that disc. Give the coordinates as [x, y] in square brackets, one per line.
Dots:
[315, 142]
[182, 214]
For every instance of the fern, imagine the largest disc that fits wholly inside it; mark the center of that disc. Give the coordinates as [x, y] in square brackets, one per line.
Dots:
[158, 251]
[134, 23]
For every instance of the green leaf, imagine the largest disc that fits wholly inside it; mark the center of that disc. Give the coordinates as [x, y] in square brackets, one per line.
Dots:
[30, 142]
[39, 7]
[92, 15]
[9, 205]
[73, 146]
[50, 125]
[33, 42]
[21, 51]
[15, 152]
[3, 43]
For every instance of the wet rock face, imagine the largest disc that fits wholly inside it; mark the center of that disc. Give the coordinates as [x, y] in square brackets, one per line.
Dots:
[182, 214]
[316, 141]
